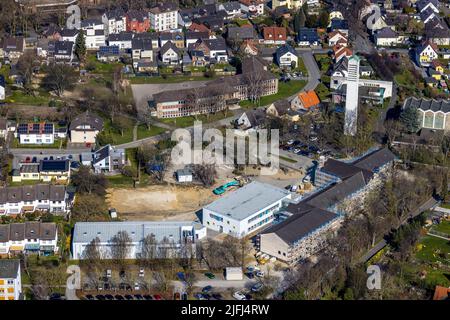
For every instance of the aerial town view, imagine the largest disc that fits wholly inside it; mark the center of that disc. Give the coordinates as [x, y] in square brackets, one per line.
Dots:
[262, 150]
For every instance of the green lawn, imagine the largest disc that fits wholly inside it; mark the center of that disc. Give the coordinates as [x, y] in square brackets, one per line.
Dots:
[24, 183]
[143, 132]
[101, 67]
[434, 250]
[168, 79]
[115, 136]
[301, 67]
[324, 62]
[18, 96]
[443, 227]
[285, 90]
[119, 181]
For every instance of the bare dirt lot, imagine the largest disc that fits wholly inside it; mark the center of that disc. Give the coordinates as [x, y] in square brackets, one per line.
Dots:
[159, 202]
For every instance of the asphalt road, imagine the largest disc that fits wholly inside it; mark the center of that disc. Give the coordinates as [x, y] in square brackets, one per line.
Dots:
[313, 70]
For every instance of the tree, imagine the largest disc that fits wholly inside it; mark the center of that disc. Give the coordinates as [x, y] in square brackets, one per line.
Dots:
[149, 248]
[25, 67]
[87, 182]
[80, 46]
[121, 124]
[409, 118]
[444, 187]
[59, 78]
[89, 207]
[206, 173]
[92, 253]
[121, 247]
[392, 128]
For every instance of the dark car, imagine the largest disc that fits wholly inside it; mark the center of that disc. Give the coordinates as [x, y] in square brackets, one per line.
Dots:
[129, 297]
[250, 275]
[90, 297]
[109, 297]
[206, 296]
[184, 296]
[248, 297]
[139, 297]
[119, 297]
[148, 297]
[217, 296]
[51, 158]
[207, 289]
[100, 297]
[55, 296]
[34, 160]
[210, 275]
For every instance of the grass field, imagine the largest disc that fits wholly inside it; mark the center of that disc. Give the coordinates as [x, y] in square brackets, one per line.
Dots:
[143, 132]
[285, 90]
[168, 79]
[443, 227]
[18, 96]
[183, 122]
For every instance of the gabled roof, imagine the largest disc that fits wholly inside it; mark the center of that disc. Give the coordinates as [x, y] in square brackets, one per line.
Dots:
[87, 118]
[373, 161]
[275, 33]
[198, 27]
[340, 24]
[13, 44]
[424, 45]
[427, 104]
[101, 154]
[307, 34]
[281, 51]
[241, 33]
[63, 48]
[282, 107]
[386, 33]
[256, 117]
[141, 44]
[9, 268]
[122, 36]
[69, 32]
[309, 99]
[168, 46]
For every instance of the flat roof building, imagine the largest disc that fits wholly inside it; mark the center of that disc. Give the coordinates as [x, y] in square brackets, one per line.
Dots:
[245, 210]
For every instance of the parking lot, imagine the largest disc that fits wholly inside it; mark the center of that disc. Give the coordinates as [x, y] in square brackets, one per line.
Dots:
[35, 155]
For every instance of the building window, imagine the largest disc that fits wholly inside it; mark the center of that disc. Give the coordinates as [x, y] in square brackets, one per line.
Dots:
[439, 121]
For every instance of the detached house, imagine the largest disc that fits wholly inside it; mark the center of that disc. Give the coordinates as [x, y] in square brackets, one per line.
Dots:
[274, 35]
[123, 40]
[13, 48]
[241, 33]
[36, 133]
[108, 159]
[170, 54]
[177, 38]
[253, 7]
[426, 53]
[192, 37]
[63, 51]
[85, 127]
[69, 35]
[337, 38]
[387, 37]
[164, 16]
[114, 21]
[232, 8]
[286, 57]
[308, 37]
[141, 49]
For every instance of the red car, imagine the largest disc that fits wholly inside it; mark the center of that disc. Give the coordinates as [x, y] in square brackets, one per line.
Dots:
[157, 297]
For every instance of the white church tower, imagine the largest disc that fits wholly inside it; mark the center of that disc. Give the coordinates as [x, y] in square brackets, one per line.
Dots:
[351, 98]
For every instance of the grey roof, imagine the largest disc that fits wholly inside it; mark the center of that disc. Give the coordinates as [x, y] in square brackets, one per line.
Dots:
[197, 35]
[69, 32]
[175, 36]
[9, 268]
[343, 170]
[281, 51]
[123, 36]
[216, 44]
[85, 232]
[29, 168]
[32, 192]
[241, 33]
[375, 160]
[247, 200]
[386, 32]
[87, 118]
[170, 45]
[256, 117]
[28, 230]
[427, 104]
[231, 6]
[423, 3]
[54, 165]
[141, 44]
[300, 225]
[101, 154]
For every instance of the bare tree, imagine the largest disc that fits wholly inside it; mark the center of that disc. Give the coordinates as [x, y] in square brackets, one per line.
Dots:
[206, 173]
[149, 248]
[92, 253]
[120, 247]
[255, 85]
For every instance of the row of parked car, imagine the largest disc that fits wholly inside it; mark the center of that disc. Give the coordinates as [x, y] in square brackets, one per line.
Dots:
[122, 297]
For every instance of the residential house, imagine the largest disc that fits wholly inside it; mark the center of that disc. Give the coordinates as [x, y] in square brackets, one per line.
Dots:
[215, 49]
[192, 37]
[426, 53]
[252, 7]
[85, 127]
[69, 35]
[427, 15]
[286, 57]
[198, 27]
[10, 279]
[108, 159]
[173, 239]
[170, 54]
[123, 40]
[387, 37]
[141, 49]
[308, 37]
[46, 171]
[282, 109]
[63, 51]
[437, 31]
[290, 4]
[232, 8]
[245, 210]
[94, 33]
[249, 121]
[153, 37]
[340, 25]
[13, 47]
[275, 35]
[39, 197]
[341, 52]
[28, 238]
[249, 48]
[238, 34]
[337, 38]
[177, 38]
[137, 21]
[108, 54]
[36, 133]
[197, 58]
[423, 5]
[114, 21]
[307, 100]
[164, 16]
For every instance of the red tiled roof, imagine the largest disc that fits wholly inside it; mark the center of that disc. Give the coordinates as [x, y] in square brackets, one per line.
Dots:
[309, 99]
[275, 33]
